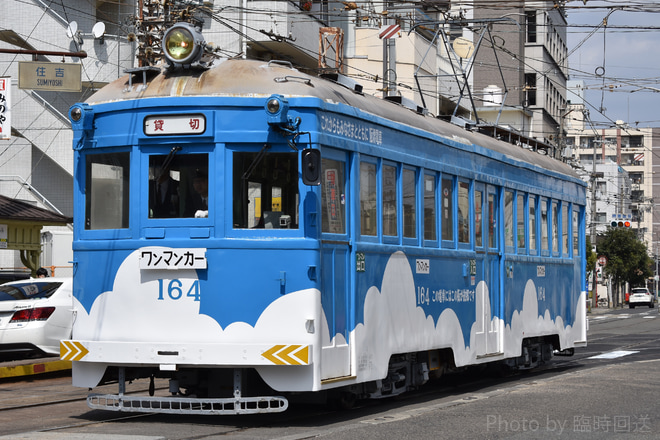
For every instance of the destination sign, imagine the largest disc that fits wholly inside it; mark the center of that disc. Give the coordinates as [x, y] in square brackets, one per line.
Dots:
[161, 125]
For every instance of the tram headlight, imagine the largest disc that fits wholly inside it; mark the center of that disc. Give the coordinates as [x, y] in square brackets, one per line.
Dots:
[277, 109]
[183, 44]
[82, 122]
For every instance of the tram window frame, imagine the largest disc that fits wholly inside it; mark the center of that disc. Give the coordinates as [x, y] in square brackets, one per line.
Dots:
[340, 194]
[533, 224]
[430, 202]
[479, 202]
[409, 216]
[521, 223]
[448, 208]
[390, 223]
[509, 225]
[555, 229]
[565, 230]
[373, 194]
[493, 211]
[188, 171]
[95, 221]
[464, 189]
[545, 227]
[288, 217]
[575, 232]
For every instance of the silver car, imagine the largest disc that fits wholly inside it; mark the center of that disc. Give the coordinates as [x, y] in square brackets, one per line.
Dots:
[35, 315]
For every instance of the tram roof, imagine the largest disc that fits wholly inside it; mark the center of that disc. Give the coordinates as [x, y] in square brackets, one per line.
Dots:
[254, 78]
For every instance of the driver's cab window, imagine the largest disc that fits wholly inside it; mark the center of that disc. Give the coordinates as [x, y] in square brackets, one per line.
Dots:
[178, 185]
[107, 190]
[265, 190]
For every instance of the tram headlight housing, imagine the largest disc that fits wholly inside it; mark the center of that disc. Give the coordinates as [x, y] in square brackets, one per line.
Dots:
[183, 45]
[277, 109]
[82, 122]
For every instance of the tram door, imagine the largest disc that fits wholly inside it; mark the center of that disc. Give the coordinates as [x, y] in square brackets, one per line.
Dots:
[489, 297]
[335, 263]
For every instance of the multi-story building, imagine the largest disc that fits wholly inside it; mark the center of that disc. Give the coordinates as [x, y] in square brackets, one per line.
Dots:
[632, 149]
[532, 54]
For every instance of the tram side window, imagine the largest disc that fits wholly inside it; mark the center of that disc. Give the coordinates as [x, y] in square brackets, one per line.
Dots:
[463, 212]
[107, 191]
[508, 218]
[564, 228]
[389, 201]
[178, 186]
[332, 197]
[492, 221]
[368, 199]
[447, 209]
[576, 234]
[520, 230]
[429, 208]
[478, 217]
[409, 204]
[544, 225]
[555, 227]
[532, 223]
[265, 190]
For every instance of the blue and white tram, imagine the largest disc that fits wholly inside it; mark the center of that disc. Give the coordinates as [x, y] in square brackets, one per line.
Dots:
[248, 231]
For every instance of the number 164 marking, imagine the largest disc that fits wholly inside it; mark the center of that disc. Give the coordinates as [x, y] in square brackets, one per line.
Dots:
[175, 289]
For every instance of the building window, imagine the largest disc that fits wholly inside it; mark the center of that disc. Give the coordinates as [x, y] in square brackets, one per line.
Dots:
[530, 88]
[530, 17]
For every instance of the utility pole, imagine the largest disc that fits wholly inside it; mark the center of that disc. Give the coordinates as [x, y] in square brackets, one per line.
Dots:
[594, 275]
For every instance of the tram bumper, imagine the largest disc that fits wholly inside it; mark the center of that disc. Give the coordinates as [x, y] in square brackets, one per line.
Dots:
[170, 355]
[91, 358]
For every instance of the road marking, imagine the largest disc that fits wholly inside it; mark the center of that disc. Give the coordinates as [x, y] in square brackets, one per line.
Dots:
[613, 354]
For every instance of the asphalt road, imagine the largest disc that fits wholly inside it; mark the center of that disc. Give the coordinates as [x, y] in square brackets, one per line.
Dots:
[607, 390]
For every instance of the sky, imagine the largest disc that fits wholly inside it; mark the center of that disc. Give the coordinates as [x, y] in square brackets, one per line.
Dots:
[620, 62]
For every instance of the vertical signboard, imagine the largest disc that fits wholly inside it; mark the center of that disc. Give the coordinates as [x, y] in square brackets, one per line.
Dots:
[5, 106]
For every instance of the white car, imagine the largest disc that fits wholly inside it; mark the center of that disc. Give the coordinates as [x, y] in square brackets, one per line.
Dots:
[640, 296]
[35, 314]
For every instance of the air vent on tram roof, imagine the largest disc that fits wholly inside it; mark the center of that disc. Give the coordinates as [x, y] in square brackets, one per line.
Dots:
[345, 81]
[407, 103]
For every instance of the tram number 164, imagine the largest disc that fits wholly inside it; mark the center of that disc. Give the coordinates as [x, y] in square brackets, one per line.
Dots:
[175, 290]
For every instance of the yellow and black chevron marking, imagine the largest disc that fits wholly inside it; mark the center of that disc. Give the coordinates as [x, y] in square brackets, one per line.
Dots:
[288, 354]
[72, 351]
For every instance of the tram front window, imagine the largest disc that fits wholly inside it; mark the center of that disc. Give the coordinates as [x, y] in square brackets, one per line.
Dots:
[178, 185]
[107, 191]
[265, 190]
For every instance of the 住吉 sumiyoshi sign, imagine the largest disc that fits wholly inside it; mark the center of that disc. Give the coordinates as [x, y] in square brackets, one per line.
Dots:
[56, 77]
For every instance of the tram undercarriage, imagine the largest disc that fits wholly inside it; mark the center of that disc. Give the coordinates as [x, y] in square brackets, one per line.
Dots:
[226, 391]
